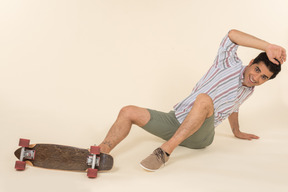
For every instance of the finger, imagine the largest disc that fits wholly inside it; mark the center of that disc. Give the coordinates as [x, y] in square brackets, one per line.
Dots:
[284, 56]
[245, 137]
[275, 61]
[279, 57]
[251, 136]
[279, 60]
[254, 137]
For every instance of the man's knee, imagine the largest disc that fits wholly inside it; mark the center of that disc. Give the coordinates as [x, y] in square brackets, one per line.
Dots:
[127, 111]
[204, 99]
[137, 115]
[205, 102]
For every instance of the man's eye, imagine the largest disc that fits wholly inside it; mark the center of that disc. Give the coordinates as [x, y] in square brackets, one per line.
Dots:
[257, 69]
[264, 77]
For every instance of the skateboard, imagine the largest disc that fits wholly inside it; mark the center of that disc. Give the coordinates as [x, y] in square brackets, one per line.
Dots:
[61, 157]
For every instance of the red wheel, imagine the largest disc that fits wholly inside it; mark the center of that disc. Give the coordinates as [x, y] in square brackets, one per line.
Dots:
[24, 142]
[95, 150]
[92, 173]
[20, 165]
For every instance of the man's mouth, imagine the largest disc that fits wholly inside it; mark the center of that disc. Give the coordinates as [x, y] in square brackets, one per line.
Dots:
[251, 79]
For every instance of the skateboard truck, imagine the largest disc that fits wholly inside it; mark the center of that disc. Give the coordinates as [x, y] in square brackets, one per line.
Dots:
[25, 154]
[90, 161]
[92, 172]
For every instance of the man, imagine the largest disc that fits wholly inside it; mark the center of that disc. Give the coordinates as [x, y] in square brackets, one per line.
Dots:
[218, 95]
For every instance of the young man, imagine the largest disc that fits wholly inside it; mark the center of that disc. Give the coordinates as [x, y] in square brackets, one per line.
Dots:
[218, 95]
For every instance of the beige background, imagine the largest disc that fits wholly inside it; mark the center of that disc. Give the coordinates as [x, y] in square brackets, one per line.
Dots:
[67, 68]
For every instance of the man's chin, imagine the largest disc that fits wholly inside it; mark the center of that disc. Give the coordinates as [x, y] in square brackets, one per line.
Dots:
[247, 84]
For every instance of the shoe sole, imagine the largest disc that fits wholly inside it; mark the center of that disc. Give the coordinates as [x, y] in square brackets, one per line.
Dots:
[149, 170]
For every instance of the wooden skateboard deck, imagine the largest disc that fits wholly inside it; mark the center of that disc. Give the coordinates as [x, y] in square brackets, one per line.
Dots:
[63, 157]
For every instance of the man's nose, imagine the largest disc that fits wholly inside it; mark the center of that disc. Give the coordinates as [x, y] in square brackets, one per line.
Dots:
[257, 77]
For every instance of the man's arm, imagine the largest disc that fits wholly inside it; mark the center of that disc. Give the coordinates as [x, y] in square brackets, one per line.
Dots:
[234, 124]
[273, 51]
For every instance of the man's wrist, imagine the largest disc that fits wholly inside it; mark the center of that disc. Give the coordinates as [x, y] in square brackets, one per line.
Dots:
[235, 131]
[267, 47]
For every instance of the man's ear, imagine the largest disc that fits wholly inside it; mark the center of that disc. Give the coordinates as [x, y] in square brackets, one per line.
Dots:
[251, 62]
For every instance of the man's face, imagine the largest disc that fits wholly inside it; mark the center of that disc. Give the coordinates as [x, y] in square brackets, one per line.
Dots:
[256, 74]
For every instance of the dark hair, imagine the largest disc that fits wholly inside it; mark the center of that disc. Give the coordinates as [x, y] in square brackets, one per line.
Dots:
[275, 69]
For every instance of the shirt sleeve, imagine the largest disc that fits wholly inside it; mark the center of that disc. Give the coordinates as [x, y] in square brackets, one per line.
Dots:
[227, 54]
[236, 111]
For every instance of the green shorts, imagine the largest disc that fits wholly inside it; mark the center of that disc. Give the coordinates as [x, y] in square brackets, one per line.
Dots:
[164, 125]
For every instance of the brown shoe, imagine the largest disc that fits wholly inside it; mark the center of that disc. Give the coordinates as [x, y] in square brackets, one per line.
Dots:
[155, 160]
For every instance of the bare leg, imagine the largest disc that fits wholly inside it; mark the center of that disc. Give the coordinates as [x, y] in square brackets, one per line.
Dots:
[128, 116]
[201, 110]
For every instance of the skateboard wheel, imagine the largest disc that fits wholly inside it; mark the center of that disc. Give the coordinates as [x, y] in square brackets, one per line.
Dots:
[24, 142]
[92, 173]
[95, 150]
[20, 165]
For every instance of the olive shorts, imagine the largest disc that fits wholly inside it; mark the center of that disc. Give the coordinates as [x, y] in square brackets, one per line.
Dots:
[164, 125]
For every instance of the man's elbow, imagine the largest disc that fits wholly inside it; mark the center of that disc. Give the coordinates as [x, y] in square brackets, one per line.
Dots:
[232, 35]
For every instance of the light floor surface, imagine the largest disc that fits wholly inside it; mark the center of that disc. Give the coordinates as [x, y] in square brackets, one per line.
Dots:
[68, 66]
[229, 164]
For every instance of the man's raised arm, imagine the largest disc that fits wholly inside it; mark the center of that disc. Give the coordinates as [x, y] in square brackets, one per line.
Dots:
[273, 51]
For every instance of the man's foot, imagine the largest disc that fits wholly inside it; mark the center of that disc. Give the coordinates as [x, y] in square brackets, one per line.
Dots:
[155, 160]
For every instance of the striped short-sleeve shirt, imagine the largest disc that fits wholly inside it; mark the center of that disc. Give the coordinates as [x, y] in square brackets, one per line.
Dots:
[222, 82]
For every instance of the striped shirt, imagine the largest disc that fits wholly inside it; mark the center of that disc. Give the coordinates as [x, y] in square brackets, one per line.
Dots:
[223, 83]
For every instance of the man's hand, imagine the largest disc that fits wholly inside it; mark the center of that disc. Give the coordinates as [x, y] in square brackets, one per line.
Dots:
[246, 136]
[276, 52]
[234, 123]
